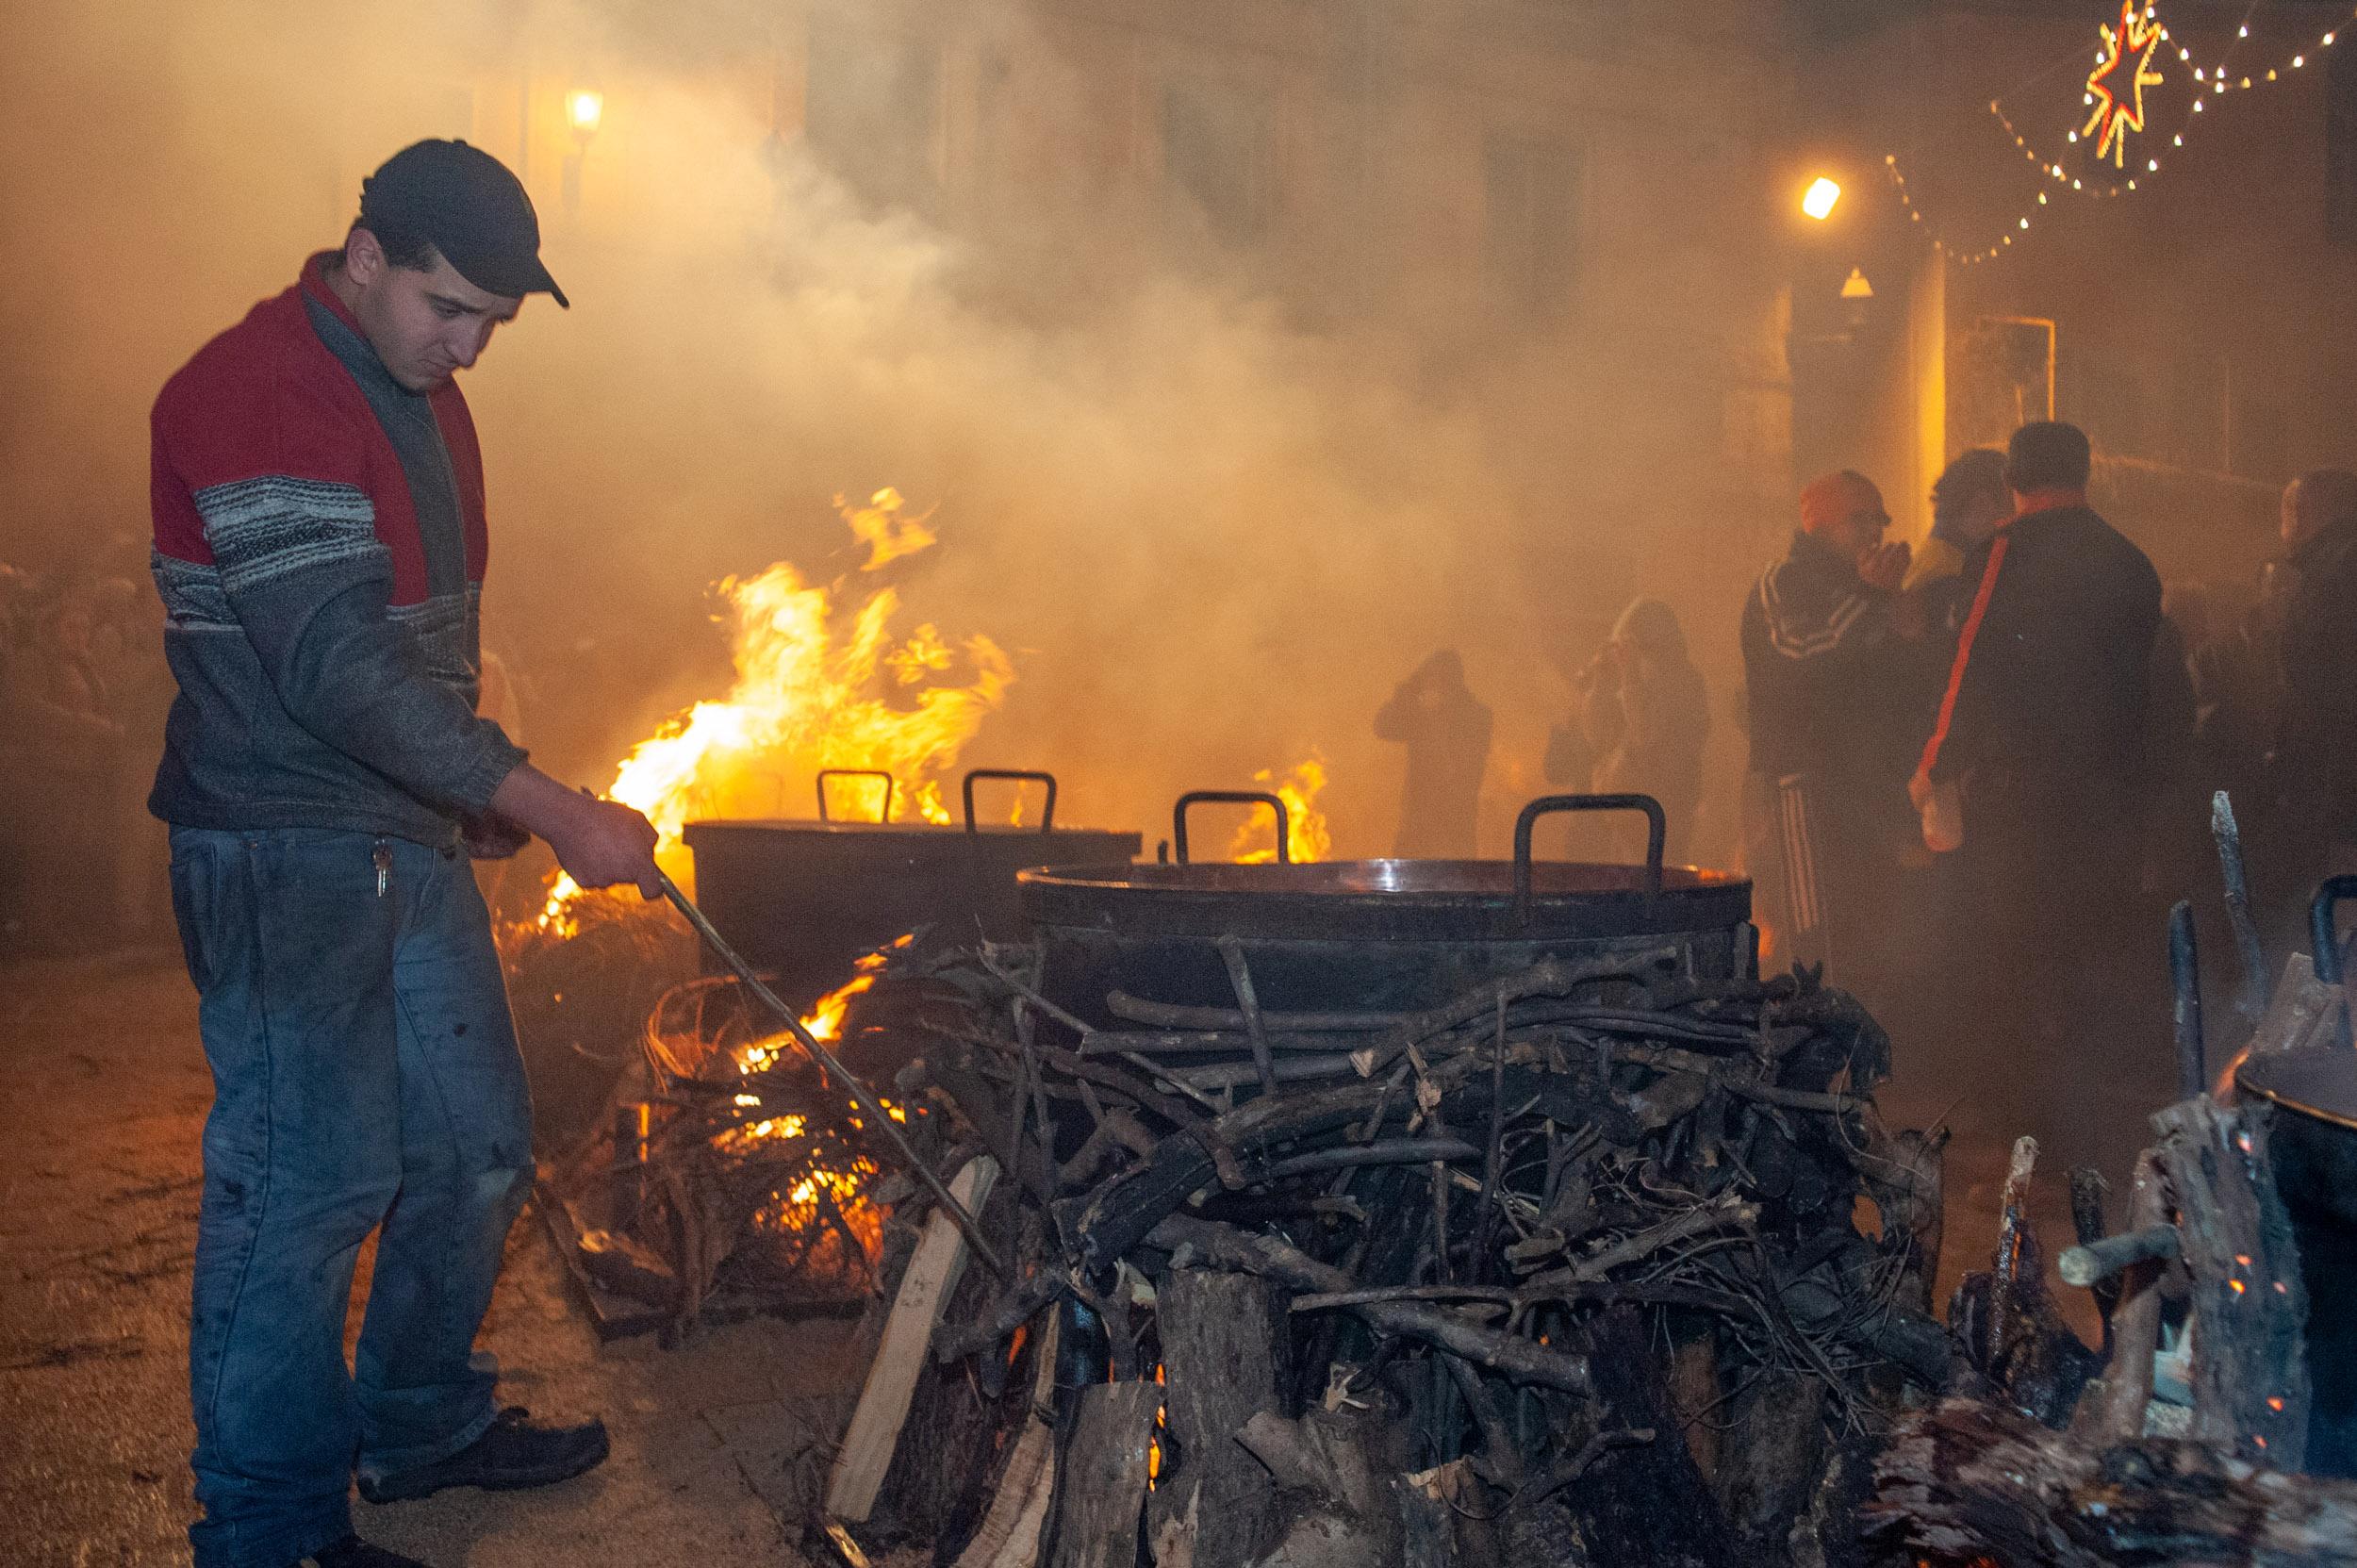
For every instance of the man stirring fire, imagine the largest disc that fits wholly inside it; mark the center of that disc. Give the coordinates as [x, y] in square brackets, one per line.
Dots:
[320, 544]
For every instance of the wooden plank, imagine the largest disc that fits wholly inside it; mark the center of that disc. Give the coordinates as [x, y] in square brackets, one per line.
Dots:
[933, 1272]
[1105, 1474]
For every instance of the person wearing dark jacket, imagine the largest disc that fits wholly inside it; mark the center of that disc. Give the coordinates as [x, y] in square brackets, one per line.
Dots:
[2041, 737]
[2314, 772]
[1827, 683]
[1446, 731]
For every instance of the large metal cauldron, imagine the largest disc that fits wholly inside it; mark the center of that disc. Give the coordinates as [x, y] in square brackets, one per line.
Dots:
[1373, 935]
[803, 899]
[2311, 1144]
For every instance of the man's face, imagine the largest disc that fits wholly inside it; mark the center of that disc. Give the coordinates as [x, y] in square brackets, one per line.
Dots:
[426, 326]
[1860, 530]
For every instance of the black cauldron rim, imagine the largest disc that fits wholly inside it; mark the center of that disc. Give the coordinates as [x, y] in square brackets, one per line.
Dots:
[1517, 900]
[1383, 901]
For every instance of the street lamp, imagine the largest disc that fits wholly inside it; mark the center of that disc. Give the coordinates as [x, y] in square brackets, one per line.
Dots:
[1821, 197]
[585, 106]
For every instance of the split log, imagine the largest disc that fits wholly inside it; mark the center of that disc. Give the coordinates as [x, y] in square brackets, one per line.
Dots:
[1224, 1338]
[1826, 1533]
[1769, 1470]
[1104, 1468]
[1694, 1394]
[1428, 1505]
[2250, 1391]
[1633, 1489]
[1010, 1529]
[883, 1402]
[1969, 1481]
[1009, 1537]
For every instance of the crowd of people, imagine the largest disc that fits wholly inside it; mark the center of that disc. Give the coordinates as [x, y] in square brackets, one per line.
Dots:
[82, 693]
[1979, 771]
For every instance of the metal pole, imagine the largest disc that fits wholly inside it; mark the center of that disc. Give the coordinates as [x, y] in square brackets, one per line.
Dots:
[827, 1060]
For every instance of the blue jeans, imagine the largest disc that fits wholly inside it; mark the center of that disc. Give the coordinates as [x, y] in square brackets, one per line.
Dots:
[365, 1074]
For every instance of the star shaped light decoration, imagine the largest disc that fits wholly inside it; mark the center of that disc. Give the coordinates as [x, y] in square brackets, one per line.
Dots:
[2117, 89]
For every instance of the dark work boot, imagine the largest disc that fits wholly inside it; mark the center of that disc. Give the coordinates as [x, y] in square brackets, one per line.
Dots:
[353, 1552]
[513, 1453]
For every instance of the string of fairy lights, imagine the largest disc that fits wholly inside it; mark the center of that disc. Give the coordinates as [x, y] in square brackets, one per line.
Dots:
[2130, 47]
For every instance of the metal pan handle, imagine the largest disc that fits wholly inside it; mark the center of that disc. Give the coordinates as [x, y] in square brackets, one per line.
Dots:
[1020, 775]
[1233, 797]
[1657, 836]
[2326, 949]
[891, 787]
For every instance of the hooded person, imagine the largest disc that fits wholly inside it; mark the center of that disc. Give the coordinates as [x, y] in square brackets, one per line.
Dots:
[1446, 731]
[1648, 717]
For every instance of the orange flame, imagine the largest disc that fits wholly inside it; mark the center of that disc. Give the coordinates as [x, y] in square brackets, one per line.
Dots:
[825, 1018]
[1306, 835]
[811, 694]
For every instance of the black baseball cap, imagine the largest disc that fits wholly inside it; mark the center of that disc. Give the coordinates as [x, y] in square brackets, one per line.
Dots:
[474, 211]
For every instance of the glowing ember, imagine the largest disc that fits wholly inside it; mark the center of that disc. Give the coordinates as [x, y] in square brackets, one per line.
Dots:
[812, 694]
[1307, 834]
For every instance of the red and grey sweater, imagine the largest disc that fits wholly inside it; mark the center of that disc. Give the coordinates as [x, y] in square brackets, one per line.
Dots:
[319, 547]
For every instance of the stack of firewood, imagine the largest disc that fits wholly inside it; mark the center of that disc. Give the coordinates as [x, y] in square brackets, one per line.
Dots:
[1583, 1265]
[2050, 1452]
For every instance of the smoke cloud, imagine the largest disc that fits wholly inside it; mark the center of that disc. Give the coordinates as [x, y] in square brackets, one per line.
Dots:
[1212, 526]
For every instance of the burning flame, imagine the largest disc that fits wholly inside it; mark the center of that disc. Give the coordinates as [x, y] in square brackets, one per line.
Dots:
[825, 1018]
[798, 1207]
[880, 526]
[1306, 835]
[812, 694]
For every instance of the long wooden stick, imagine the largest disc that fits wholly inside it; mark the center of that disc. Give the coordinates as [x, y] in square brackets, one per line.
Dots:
[826, 1059]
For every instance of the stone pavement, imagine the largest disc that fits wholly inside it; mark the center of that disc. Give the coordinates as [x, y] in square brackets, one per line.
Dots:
[106, 1094]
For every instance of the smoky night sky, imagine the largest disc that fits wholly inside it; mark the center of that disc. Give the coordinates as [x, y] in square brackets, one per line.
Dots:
[1239, 371]
[1215, 507]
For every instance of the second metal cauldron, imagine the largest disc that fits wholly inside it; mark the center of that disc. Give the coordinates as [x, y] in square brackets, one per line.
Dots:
[1380, 936]
[803, 899]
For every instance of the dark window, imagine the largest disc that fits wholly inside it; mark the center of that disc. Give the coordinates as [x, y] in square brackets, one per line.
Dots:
[1218, 158]
[871, 110]
[1531, 234]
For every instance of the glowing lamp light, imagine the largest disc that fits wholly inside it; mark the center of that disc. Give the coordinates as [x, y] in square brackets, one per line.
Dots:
[1856, 287]
[583, 108]
[1821, 198]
